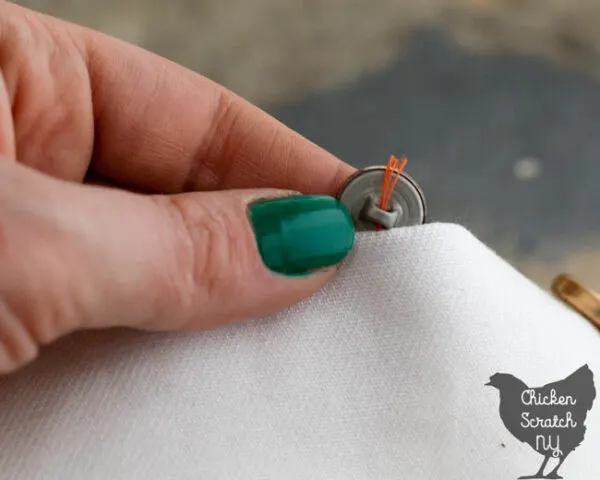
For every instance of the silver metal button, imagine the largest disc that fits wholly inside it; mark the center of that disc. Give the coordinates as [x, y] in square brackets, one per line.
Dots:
[361, 195]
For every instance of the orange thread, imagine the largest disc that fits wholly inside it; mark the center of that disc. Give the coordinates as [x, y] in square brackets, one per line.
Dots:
[393, 171]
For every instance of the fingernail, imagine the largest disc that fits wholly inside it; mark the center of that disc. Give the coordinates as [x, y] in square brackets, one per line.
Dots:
[296, 235]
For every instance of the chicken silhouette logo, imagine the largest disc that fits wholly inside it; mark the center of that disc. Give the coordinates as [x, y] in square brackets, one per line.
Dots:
[551, 419]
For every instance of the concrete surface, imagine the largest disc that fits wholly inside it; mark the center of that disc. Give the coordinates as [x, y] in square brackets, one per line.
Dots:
[496, 103]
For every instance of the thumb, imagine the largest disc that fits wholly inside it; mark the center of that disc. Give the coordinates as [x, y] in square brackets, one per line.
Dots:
[76, 257]
[251, 253]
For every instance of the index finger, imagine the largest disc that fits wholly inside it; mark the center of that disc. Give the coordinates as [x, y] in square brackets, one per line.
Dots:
[160, 127]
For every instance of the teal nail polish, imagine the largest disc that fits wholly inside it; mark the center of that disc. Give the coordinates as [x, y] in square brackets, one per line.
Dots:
[299, 234]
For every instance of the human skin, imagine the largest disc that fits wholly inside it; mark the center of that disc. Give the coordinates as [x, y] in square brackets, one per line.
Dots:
[165, 242]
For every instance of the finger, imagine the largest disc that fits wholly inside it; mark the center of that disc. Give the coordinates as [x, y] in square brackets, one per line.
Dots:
[76, 256]
[161, 128]
[7, 137]
[46, 95]
[167, 129]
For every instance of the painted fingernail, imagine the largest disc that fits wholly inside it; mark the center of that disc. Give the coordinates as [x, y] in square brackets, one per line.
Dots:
[300, 234]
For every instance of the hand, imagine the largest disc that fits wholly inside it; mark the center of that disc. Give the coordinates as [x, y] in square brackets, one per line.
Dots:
[76, 105]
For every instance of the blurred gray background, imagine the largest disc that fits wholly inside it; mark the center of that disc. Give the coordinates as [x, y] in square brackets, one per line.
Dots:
[496, 103]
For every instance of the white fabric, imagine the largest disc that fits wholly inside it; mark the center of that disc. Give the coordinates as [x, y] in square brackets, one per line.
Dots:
[379, 376]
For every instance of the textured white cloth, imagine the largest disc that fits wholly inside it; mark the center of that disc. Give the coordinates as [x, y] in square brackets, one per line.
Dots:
[379, 376]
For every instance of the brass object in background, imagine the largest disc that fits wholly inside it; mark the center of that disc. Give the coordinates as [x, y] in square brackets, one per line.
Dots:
[579, 297]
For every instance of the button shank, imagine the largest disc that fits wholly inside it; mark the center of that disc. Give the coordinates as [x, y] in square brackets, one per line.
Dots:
[361, 194]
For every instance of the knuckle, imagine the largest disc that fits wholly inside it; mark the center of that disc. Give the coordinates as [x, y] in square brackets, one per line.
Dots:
[217, 245]
[17, 344]
[222, 145]
[206, 237]
[34, 303]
